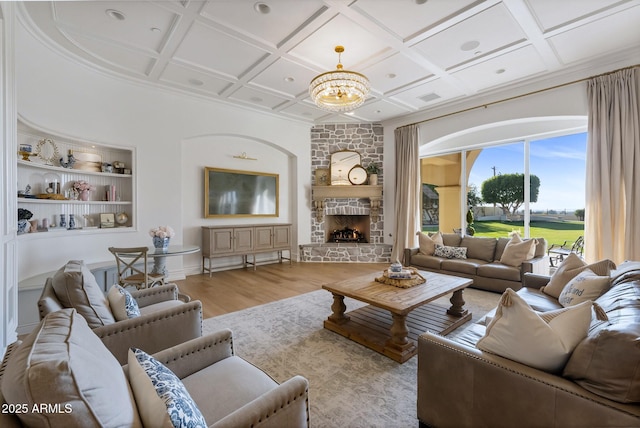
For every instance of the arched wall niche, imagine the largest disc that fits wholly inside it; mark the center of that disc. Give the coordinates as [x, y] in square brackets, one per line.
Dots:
[226, 150]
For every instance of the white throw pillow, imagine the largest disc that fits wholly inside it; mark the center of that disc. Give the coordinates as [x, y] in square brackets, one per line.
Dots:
[123, 305]
[586, 286]
[428, 243]
[162, 399]
[517, 251]
[541, 340]
[570, 267]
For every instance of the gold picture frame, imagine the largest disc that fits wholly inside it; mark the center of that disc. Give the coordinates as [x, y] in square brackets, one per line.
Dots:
[235, 193]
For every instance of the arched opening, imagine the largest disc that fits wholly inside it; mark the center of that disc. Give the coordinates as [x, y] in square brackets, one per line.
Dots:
[547, 153]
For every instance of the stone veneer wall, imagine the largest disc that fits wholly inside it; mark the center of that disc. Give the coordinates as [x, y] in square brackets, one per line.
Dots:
[366, 139]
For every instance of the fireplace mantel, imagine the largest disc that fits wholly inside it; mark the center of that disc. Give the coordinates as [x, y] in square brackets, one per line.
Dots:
[320, 193]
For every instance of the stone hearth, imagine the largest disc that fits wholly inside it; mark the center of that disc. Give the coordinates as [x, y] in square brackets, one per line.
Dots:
[346, 252]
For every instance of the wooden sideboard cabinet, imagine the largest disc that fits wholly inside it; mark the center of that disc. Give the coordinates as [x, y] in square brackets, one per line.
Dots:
[244, 241]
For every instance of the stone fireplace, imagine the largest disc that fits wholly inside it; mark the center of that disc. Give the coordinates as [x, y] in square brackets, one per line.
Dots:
[357, 207]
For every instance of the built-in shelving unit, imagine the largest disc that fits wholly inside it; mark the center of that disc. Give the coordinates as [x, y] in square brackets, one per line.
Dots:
[114, 191]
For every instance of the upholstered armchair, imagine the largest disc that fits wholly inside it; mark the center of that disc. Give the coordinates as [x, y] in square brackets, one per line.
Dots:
[63, 368]
[163, 319]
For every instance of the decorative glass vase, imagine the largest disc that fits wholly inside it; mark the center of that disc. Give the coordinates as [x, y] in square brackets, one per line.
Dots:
[83, 195]
[161, 243]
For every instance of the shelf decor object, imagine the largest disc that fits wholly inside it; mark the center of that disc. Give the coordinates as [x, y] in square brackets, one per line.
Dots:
[122, 218]
[339, 90]
[47, 150]
[83, 188]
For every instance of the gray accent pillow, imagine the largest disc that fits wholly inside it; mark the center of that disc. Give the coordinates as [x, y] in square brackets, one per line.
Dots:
[480, 248]
[76, 287]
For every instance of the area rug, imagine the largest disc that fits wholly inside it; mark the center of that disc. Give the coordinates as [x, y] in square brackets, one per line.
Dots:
[349, 385]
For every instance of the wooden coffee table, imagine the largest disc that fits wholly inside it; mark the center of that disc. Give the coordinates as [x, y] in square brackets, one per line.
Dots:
[395, 316]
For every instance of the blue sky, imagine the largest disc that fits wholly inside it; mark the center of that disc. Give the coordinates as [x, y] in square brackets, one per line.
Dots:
[559, 162]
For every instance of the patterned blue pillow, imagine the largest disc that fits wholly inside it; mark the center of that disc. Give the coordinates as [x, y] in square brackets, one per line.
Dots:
[123, 305]
[450, 252]
[160, 395]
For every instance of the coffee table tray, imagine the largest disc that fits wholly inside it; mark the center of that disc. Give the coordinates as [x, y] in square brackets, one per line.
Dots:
[416, 279]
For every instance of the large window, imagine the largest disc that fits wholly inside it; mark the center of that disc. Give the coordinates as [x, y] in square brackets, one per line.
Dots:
[534, 187]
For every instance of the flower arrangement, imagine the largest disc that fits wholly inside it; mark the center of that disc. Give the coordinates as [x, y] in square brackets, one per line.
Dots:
[81, 186]
[162, 232]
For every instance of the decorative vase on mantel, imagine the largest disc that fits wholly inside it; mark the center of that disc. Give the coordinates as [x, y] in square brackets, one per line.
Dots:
[161, 243]
[83, 195]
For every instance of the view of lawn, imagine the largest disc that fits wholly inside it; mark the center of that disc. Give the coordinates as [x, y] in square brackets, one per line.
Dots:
[553, 232]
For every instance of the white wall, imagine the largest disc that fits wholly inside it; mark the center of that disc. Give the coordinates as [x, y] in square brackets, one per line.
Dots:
[174, 136]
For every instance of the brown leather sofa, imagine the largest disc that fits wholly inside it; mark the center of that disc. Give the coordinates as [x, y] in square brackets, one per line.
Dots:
[461, 386]
[482, 263]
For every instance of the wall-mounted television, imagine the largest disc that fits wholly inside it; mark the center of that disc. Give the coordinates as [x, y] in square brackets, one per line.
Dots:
[234, 193]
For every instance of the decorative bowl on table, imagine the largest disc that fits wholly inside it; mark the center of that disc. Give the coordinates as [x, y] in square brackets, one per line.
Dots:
[406, 278]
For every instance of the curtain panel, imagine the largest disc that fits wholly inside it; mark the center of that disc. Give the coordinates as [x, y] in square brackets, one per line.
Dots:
[612, 215]
[407, 191]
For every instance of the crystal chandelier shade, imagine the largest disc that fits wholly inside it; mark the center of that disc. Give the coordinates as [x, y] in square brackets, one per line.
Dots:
[339, 90]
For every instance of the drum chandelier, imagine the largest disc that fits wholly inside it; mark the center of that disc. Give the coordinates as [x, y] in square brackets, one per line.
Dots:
[339, 90]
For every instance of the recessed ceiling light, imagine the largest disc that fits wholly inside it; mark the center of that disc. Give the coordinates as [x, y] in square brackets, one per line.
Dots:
[500, 71]
[115, 14]
[155, 29]
[470, 45]
[420, 1]
[262, 8]
[350, 113]
[289, 79]
[378, 111]
[196, 82]
[391, 76]
[477, 53]
[256, 99]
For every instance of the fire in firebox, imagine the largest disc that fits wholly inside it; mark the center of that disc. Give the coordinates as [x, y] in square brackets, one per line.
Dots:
[348, 235]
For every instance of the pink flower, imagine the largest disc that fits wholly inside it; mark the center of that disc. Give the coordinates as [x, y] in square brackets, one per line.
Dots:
[82, 185]
[162, 232]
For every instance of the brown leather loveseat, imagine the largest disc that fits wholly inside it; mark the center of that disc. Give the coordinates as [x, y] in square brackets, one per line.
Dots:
[462, 386]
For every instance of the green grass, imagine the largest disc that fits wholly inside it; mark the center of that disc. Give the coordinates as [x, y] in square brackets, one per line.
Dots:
[553, 232]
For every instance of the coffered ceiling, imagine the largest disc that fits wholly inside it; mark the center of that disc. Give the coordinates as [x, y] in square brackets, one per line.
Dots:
[418, 54]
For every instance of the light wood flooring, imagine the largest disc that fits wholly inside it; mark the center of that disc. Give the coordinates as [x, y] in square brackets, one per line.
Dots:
[233, 290]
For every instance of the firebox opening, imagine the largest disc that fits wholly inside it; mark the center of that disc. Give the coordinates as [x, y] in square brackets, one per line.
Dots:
[348, 228]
